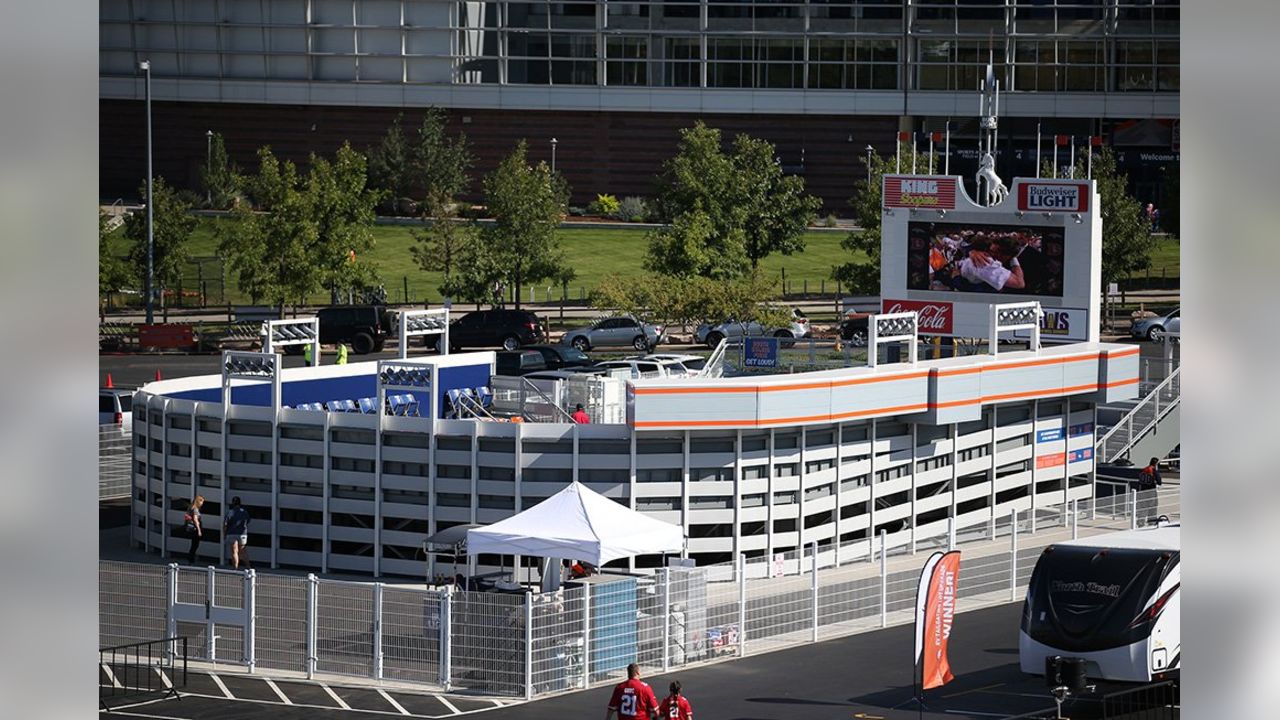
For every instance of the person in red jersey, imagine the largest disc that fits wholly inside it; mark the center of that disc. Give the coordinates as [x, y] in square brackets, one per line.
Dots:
[675, 706]
[632, 698]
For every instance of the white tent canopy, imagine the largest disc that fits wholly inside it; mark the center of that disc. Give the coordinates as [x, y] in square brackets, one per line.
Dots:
[580, 524]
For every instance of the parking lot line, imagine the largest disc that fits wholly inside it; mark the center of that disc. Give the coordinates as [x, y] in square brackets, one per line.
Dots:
[284, 698]
[112, 676]
[449, 705]
[218, 681]
[164, 679]
[393, 702]
[341, 703]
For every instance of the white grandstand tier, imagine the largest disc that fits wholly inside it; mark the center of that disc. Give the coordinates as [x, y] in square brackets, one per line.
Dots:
[754, 465]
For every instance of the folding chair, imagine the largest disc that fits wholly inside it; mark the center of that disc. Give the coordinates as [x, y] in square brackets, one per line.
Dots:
[368, 406]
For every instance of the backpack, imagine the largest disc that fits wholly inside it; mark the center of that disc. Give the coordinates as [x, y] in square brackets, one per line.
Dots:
[189, 524]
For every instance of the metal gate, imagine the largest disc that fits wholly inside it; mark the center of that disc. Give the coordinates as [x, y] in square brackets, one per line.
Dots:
[215, 609]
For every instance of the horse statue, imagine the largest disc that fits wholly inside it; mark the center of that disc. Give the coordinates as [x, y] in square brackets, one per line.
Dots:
[996, 191]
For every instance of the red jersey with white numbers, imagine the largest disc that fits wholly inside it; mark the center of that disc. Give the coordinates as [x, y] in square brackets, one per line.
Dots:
[633, 699]
[675, 709]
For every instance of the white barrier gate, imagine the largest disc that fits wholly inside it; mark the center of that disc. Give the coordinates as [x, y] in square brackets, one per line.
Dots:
[217, 599]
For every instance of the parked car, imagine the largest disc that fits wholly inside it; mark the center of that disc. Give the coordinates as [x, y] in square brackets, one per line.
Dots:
[711, 335]
[853, 328]
[364, 328]
[562, 356]
[566, 373]
[1154, 328]
[115, 407]
[514, 363]
[510, 329]
[643, 368]
[691, 364]
[621, 331]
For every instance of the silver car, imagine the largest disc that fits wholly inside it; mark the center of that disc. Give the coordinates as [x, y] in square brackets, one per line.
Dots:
[621, 331]
[711, 335]
[1154, 328]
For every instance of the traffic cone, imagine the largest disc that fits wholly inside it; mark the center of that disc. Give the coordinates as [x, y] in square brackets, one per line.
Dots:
[158, 374]
[109, 383]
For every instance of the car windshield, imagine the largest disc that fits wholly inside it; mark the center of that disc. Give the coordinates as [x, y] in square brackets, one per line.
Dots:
[696, 364]
[572, 354]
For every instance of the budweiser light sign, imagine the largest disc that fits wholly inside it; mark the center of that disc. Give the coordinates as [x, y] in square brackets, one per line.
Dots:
[949, 258]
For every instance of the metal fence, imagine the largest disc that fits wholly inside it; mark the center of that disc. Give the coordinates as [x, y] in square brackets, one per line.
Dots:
[115, 463]
[526, 644]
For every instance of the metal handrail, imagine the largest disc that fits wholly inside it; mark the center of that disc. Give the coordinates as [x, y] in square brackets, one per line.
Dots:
[1153, 399]
[528, 386]
[714, 366]
[139, 669]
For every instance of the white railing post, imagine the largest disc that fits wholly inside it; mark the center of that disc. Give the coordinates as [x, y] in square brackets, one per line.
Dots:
[586, 635]
[815, 591]
[742, 605]
[250, 610]
[211, 639]
[528, 646]
[1133, 514]
[1075, 519]
[446, 620]
[884, 581]
[1013, 556]
[311, 624]
[171, 595]
[377, 631]
[951, 533]
[666, 619]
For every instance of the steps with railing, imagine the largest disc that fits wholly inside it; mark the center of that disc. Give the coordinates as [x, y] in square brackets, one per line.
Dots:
[1142, 418]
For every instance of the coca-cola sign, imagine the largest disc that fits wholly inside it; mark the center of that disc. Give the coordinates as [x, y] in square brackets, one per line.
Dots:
[933, 318]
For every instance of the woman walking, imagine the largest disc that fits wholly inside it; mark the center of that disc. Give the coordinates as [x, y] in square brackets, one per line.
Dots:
[191, 523]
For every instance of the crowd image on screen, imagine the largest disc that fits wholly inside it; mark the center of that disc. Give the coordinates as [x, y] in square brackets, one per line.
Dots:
[953, 257]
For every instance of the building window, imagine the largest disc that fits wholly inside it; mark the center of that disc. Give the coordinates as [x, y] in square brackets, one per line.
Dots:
[711, 474]
[302, 432]
[497, 502]
[444, 499]
[353, 436]
[461, 472]
[410, 440]
[658, 503]
[256, 457]
[301, 460]
[658, 475]
[784, 498]
[753, 500]
[249, 427]
[782, 470]
[659, 446]
[710, 445]
[497, 445]
[447, 442]
[819, 465]
[407, 469]
[604, 447]
[504, 474]
[603, 475]
[755, 472]
[786, 441]
[717, 502]
[292, 487]
[180, 422]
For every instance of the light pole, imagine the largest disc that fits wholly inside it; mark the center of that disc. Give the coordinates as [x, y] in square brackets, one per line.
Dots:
[869, 151]
[208, 160]
[145, 66]
[554, 142]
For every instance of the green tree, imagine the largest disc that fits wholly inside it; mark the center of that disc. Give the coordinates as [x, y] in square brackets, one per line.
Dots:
[221, 177]
[447, 246]
[726, 211]
[670, 301]
[113, 273]
[439, 162]
[862, 277]
[267, 248]
[342, 207]
[1127, 242]
[526, 203]
[172, 225]
[390, 164]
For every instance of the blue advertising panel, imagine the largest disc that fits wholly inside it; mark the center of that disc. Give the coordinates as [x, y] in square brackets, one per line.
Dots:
[1050, 435]
[1080, 455]
[760, 352]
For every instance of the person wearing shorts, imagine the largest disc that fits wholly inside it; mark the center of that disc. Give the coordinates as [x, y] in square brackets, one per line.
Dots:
[235, 528]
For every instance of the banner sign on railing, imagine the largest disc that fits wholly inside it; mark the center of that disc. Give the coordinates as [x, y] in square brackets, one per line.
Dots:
[761, 352]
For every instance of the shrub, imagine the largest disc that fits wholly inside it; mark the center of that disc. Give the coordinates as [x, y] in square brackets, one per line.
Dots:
[830, 221]
[604, 205]
[633, 209]
[576, 211]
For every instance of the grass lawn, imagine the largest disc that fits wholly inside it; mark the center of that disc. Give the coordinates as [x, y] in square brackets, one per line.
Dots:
[592, 252]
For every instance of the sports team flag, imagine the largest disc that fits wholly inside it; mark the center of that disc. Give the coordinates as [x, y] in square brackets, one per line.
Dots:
[1062, 140]
[936, 137]
[1095, 140]
[904, 136]
[935, 609]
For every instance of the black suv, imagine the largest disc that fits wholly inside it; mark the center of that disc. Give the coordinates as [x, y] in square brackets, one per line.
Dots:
[509, 329]
[364, 327]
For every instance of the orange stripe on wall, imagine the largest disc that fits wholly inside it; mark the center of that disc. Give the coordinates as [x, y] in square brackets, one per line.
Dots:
[1032, 393]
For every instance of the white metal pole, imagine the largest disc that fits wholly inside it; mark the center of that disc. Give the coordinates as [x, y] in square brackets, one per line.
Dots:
[946, 151]
[1075, 519]
[1037, 150]
[211, 640]
[930, 153]
[446, 623]
[528, 646]
[1133, 515]
[312, 588]
[666, 619]
[171, 592]
[884, 582]
[815, 591]
[377, 631]
[586, 635]
[250, 610]
[1013, 556]
[742, 605]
